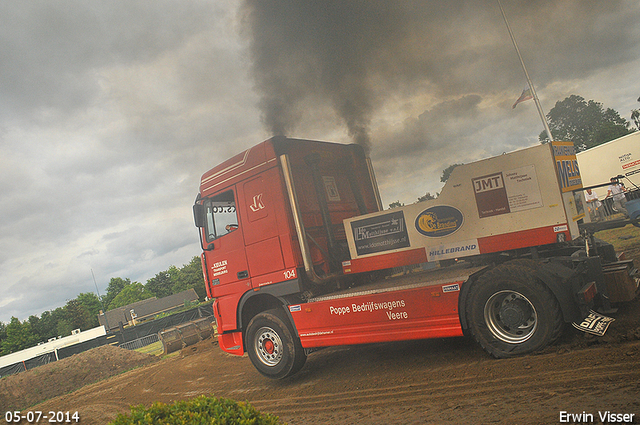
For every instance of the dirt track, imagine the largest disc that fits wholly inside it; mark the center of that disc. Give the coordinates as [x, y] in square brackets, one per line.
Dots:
[437, 381]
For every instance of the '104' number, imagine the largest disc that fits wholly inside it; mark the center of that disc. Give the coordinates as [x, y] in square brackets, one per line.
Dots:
[290, 274]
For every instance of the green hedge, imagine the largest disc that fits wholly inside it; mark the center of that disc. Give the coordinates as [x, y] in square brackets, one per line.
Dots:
[198, 411]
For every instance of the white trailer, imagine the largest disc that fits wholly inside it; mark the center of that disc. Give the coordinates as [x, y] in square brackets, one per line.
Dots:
[619, 157]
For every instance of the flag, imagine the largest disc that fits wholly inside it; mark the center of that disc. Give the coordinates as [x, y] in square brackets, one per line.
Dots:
[526, 95]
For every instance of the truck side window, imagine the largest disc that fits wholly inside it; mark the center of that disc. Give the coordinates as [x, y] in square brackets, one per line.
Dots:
[221, 215]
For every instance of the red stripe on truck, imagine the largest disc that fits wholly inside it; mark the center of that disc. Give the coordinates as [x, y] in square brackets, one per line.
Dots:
[523, 239]
[385, 261]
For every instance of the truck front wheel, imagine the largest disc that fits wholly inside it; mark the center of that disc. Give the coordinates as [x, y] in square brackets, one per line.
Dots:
[512, 313]
[272, 345]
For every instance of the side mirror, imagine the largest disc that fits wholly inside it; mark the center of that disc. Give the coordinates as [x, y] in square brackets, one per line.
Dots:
[198, 215]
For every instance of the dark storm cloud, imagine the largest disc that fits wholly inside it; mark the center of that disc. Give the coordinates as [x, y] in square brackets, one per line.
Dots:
[109, 112]
[50, 51]
[418, 134]
[354, 54]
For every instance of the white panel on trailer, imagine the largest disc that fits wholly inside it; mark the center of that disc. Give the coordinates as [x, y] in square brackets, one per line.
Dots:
[503, 195]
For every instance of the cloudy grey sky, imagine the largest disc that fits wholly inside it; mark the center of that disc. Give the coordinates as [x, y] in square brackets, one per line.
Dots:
[111, 111]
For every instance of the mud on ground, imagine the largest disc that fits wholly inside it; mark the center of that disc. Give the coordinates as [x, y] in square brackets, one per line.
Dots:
[44, 382]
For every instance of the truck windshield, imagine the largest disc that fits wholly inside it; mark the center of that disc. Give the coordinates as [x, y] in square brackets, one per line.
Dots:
[221, 215]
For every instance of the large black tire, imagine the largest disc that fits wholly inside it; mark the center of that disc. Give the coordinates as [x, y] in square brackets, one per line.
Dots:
[511, 313]
[272, 345]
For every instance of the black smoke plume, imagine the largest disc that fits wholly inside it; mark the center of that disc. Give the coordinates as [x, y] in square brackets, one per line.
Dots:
[329, 51]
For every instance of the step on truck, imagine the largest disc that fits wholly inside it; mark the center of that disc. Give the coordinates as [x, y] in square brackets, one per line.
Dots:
[299, 254]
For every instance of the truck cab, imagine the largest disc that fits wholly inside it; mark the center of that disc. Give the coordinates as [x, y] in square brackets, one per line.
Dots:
[251, 250]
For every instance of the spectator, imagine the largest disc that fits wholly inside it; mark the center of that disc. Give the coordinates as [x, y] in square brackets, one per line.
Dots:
[596, 211]
[616, 190]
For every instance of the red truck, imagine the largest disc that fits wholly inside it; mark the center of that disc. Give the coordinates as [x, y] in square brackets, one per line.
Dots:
[298, 254]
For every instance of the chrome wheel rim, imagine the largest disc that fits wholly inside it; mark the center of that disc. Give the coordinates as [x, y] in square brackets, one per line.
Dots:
[510, 317]
[268, 346]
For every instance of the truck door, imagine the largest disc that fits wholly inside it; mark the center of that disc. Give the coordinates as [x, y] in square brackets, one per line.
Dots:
[225, 250]
[226, 260]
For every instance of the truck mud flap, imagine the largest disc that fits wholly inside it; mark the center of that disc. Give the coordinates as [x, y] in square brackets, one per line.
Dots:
[594, 323]
[622, 281]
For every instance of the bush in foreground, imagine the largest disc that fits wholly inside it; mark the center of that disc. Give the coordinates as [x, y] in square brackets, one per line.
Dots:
[198, 411]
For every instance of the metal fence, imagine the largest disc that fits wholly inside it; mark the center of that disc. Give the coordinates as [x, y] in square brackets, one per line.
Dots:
[140, 342]
[131, 333]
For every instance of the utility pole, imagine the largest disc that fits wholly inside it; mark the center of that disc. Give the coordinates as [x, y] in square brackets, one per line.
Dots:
[526, 74]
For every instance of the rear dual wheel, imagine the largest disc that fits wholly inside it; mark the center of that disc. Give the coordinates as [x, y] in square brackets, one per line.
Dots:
[273, 347]
[511, 312]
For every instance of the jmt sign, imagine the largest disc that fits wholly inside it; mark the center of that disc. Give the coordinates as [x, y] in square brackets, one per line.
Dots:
[491, 195]
[487, 183]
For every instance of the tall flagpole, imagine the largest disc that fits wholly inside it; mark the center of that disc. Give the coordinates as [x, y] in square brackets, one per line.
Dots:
[533, 90]
[106, 322]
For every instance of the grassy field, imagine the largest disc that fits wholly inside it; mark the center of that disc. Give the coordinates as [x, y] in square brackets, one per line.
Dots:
[154, 349]
[623, 239]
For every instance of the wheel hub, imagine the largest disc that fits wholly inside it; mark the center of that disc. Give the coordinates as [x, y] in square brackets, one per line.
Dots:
[515, 312]
[510, 317]
[268, 346]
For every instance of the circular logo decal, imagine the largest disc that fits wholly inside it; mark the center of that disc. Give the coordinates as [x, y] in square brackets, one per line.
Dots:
[438, 221]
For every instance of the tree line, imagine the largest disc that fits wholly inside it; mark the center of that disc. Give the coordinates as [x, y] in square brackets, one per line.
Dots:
[82, 311]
